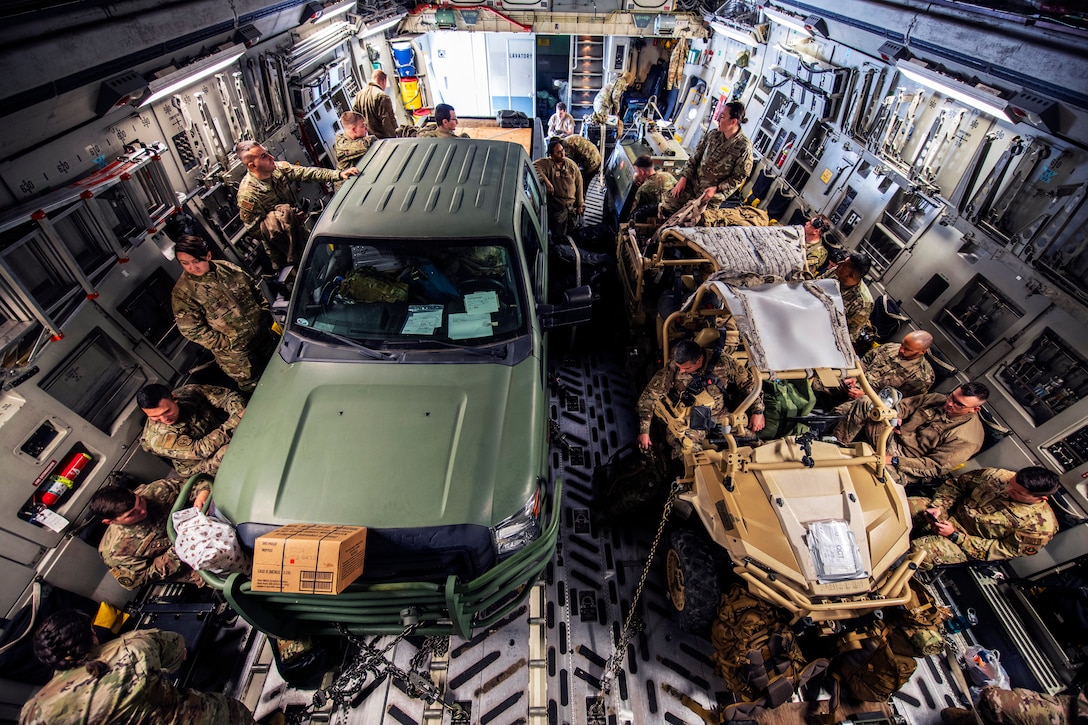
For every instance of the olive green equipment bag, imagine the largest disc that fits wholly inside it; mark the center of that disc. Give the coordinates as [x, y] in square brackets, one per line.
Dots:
[917, 627]
[756, 653]
[867, 667]
[368, 285]
[784, 400]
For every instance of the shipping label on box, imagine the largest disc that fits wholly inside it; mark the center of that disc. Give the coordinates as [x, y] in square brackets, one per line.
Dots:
[308, 558]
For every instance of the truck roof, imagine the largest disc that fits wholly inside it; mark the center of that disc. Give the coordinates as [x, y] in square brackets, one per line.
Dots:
[430, 188]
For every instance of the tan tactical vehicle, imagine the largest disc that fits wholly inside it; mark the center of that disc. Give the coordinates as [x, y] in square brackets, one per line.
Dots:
[816, 528]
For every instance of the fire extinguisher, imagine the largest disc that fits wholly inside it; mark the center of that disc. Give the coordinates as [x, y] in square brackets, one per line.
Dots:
[62, 481]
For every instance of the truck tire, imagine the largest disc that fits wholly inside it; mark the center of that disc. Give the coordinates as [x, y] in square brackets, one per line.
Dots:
[692, 580]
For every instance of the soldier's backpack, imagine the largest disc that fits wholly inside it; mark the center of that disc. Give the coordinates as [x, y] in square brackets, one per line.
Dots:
[867, 667]
[917, 627]
[756, 653]
[630, 481]
[886, 318]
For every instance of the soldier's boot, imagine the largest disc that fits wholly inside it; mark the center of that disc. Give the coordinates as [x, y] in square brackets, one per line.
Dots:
[958, 716]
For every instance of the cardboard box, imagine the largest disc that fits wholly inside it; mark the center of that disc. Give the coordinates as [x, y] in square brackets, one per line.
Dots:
[308, 558]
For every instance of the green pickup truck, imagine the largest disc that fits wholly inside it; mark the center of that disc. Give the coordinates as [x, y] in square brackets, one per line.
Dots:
[408, 396]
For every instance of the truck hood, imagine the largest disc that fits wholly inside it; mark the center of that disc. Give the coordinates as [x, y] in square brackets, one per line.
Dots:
[386, 445]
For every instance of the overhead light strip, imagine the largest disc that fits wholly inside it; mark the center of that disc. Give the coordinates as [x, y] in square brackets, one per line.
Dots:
[737, 34]
[980, 99]
[192, 74]
[786, 19]
[381, 26]
[332, 12]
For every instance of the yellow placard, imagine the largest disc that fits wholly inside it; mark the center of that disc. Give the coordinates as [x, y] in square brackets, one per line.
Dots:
[826, 176]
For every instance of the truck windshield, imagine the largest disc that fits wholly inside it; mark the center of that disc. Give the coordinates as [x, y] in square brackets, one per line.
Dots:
[411, 291]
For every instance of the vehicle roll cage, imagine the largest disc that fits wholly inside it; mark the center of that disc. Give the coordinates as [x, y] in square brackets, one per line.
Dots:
[699, 311]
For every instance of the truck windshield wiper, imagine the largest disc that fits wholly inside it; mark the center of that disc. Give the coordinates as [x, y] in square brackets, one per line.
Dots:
[315, 333]
[499, 352]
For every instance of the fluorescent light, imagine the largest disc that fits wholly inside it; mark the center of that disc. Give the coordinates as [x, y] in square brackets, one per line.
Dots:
[979, 97]
[383, 25]
[334, 10]
[737, 34]
[786, 19]
[192, 73]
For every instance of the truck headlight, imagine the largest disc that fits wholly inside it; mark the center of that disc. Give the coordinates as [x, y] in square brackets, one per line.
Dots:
[517, 531]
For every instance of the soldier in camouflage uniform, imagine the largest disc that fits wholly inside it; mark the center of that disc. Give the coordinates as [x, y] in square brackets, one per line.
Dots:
[267, 203]
[190, 426]
[119, 681]
[446, 118]
[936, 433]
[376, 107]
[719, 166]
[899, 365]
[443, 126]
[1019, 706]
[585, 155]
[219, 307]
[986, 515]
[563, 180]
[857, 301]
[693, 367]
[136, 547]
[609, 99]
[815, 250]
[352, 142]
[652, 185]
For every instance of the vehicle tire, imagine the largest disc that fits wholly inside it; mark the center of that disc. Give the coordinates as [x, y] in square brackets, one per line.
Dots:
[692, 580]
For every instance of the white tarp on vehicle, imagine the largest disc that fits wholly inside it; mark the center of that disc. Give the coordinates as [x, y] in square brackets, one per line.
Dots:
[794, 326]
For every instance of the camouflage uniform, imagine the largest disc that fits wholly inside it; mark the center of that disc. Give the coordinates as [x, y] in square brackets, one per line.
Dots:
[197, 441]
[608, 100]
[928, 442]
[717, 161]
[815, 257]
[134, 689]
[997, 706]
[670, 380]
[377, 108]
[224, 312]
[584, 153]
[857, 304]
[431, 130]
[267, 208]
[654, 190]
[885, 369]
[992, 526]
[567, 200]
[139, 554]
[348, 150]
